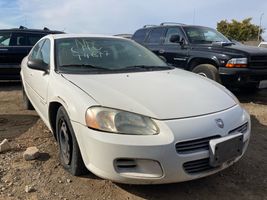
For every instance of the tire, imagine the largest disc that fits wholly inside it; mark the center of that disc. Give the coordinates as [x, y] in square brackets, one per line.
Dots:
[69, 151]
[207, 70]
[27, 105]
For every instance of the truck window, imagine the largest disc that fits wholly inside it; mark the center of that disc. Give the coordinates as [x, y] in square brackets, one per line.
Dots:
[140, 35]
[18, 39]
[155, 35]
[173, 31]
[33, 38]
[5, 38]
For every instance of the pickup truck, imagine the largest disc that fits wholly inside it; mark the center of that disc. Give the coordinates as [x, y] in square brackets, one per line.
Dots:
[206, 52]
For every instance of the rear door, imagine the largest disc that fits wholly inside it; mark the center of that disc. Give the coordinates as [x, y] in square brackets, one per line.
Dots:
[5, 56]
[19, 47]
[9, 66]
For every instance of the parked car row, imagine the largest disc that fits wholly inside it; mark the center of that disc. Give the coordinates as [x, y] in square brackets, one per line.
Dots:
[120, 111]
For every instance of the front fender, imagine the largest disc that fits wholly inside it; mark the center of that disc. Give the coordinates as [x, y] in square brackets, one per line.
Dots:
[74, 100]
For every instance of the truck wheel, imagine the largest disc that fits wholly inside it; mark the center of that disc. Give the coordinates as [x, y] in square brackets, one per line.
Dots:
[207, 70]
[26, 102]
[69, 151]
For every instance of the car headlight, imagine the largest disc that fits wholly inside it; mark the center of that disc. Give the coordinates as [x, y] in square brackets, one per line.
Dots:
[118, 121]
[237, 62]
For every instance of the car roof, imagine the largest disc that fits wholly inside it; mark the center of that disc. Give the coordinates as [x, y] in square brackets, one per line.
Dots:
[69, 35]
[26, 30]
[172, 25]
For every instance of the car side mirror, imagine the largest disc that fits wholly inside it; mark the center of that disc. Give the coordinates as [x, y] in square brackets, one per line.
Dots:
[176, 39]
[38, 64]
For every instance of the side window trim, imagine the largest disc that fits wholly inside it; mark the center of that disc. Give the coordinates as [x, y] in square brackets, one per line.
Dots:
[45, 40]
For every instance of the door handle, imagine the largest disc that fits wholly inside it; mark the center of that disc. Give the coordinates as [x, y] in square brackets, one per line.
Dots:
[161, 51]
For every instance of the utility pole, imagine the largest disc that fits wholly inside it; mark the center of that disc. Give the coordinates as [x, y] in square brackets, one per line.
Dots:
[259, 33]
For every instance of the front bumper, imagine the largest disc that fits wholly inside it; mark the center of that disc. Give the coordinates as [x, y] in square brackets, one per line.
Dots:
[154, 159]
[242, 76]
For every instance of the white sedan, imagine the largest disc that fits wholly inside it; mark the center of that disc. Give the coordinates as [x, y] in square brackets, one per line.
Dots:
[118, 110]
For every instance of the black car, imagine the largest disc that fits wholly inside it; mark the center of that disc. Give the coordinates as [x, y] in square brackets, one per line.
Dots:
[206, 52]
[15, 44]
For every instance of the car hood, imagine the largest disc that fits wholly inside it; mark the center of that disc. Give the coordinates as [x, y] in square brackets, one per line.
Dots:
[168, 94]
[248, 49]
[232, 50]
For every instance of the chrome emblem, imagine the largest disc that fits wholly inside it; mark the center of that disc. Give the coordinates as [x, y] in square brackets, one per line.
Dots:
[219, 123]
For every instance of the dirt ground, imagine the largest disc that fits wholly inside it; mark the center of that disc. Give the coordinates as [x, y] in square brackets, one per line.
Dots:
[247, 179]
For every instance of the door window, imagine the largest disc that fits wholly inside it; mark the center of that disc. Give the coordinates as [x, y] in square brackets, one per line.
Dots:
[45, 52]
[35, 51]
[155, 35]
[173, 31]
[140, 35]
[41, 51]
[5, 38]
[33, 38]
[18, 39]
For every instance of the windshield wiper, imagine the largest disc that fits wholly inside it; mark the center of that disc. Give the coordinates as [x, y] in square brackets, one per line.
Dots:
[146, 67]
[222, 43]
[85, 66]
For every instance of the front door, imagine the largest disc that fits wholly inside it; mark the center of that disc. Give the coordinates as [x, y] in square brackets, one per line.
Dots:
[175, 53]
[38, 80]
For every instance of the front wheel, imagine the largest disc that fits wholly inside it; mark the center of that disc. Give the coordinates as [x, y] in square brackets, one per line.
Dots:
[69, 152]
[207, 70]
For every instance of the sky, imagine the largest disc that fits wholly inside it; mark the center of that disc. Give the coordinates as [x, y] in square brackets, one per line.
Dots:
[125, 16]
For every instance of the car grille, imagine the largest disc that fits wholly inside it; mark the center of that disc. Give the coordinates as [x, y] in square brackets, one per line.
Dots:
[241, 129]
[194, 145]
[197, 166]
[258, 62]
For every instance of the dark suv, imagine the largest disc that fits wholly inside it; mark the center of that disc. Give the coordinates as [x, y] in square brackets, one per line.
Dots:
[15, 44]
[206, 52]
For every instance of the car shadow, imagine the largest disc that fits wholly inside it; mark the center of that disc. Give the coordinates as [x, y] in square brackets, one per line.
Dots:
[259, 97]
[246, 177]
[43, 157]
[12, 125]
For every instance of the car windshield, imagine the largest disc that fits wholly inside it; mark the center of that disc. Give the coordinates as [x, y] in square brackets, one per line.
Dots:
[76, 55]
[204, 35]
